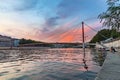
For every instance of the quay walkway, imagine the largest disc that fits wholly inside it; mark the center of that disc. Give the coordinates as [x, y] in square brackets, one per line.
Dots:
[111, 67]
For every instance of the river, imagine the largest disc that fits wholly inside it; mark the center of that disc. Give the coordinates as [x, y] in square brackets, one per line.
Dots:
[48, 64]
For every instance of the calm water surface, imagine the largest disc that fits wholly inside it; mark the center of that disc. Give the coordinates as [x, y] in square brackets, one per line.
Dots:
[48, 64]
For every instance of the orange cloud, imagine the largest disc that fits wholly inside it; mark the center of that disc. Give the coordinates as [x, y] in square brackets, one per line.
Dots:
[74, 34]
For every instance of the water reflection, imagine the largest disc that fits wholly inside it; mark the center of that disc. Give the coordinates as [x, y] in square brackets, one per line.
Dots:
[85, 65]
[47, 64]
[99, 56]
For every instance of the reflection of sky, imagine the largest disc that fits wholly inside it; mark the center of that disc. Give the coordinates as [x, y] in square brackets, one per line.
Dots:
[39, 19]
[42, 63]
[14, 69]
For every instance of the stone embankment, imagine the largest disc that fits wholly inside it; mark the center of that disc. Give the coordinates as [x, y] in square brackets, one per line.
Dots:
[113, 43]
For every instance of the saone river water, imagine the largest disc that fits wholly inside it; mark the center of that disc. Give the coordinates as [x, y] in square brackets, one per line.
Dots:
[48, 64]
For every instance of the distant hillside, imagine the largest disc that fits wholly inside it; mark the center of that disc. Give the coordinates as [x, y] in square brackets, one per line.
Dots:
[105, 34]
[28, 41]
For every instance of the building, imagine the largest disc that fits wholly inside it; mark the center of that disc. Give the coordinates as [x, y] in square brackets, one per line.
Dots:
[6, 41]
[16, 42]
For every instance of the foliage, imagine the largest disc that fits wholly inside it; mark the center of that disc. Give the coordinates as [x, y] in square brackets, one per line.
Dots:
[108, 34]
[111, 18]
[27, 41]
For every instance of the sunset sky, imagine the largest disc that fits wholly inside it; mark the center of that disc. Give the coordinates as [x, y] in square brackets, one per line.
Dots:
[50, 20]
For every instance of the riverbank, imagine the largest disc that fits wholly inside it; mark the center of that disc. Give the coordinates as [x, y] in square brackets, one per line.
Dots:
[111, 67]
[23, 48]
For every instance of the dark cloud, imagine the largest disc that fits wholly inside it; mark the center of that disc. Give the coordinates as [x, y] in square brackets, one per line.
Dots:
[68, 8]
[52, 21]
[64, 10]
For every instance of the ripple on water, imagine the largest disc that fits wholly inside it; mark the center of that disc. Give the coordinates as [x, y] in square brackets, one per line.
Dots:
[49, 64]
[3, 73]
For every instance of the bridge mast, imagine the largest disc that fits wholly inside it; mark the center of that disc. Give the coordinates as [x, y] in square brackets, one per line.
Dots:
[83, 39]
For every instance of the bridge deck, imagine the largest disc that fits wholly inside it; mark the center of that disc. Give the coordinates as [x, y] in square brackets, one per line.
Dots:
[111, 68]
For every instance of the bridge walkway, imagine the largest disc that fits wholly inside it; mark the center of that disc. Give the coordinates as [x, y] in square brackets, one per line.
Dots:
[111, 67]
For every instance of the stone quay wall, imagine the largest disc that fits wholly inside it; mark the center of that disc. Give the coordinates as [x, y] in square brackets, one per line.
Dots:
[114, 43]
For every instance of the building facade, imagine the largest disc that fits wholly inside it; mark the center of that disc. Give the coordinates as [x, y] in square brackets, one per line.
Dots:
[6, 41]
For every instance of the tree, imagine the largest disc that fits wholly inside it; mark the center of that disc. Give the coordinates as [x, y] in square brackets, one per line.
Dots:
[98, 37]
[27, 41]
[111, 18]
